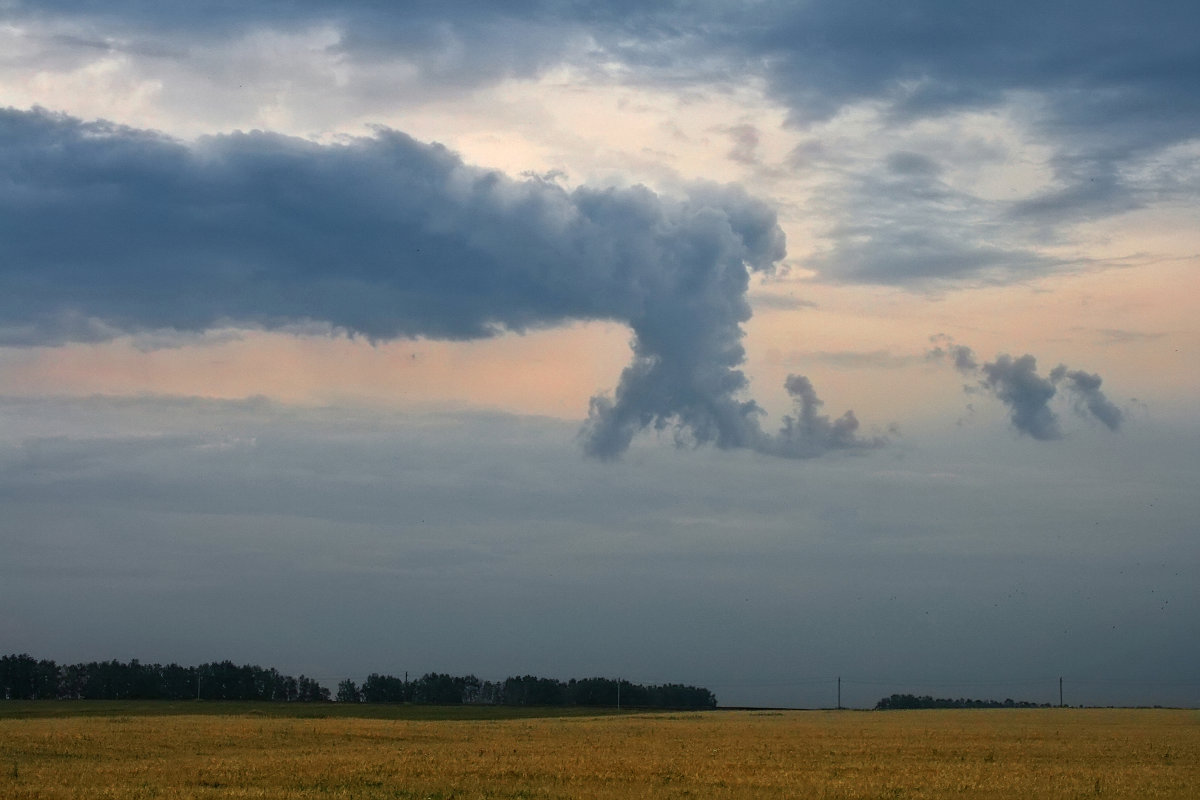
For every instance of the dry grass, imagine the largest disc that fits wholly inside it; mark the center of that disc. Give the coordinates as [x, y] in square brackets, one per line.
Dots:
[1052, 753]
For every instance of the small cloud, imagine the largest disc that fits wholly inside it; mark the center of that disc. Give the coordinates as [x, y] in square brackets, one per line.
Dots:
[1016, 383]
[746, 139]
[549, 176]
[1117, 336]
[960, 356]
[807, 433]
[1085, 388]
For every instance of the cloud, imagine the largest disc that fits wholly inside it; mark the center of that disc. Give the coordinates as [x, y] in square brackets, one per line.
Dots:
[910, 255]
[1114, 77]
[106, 229]
[809, 433]
[960, 356]
[1085, 191]
[1104, 61]
[1098, 90]
[899, 222]
[745, 140]
[450, 44]
[1085, 386]
[333, 510]
[1109, 76]
[1118, 336]
[1015, 382]
[721, 419]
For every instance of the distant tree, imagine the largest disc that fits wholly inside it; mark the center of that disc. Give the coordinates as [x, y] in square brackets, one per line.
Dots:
[592, 692]
[22, 677]
[490, 693]
[471, 689]
[178, 683]
[528, 690]
[900, 702]
[384, 689]
[438, 688]
[347, 692]
[309, 691]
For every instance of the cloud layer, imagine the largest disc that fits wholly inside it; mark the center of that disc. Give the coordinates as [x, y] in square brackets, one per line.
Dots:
[261, 531]
[1099, 92]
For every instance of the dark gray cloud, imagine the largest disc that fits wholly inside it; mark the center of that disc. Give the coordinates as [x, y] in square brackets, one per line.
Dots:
[1101, 81]
[715, 416]
[1105, 86]
[449, 43]
[105, 229]
[1085, 388]
[1104, 64]
[1086, 191]
[1114, 77]
[1016, 383]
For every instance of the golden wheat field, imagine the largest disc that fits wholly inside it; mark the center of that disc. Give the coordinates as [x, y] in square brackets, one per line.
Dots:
[1044, 753]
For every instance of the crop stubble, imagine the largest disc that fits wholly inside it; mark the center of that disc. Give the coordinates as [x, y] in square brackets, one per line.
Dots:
[1045, 753]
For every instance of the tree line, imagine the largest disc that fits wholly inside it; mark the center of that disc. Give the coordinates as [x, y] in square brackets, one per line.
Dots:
[23, 677]
[526, 690]
[898, 702]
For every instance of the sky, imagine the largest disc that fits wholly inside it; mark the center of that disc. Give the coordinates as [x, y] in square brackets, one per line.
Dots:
[747, 345]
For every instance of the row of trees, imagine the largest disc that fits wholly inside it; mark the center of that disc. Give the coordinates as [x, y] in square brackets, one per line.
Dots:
[23, 677]
[526, 690]
[898, 702]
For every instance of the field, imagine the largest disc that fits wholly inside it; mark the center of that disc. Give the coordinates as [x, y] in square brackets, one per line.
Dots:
[83, 750]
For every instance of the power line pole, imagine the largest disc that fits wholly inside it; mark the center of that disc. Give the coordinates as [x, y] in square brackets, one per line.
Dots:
[839, 705]
[1060, 696]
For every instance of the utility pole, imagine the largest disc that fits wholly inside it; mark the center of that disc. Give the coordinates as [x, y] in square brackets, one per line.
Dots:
[618, 694]
[1060, 698]
[839, 705]
[197, 683]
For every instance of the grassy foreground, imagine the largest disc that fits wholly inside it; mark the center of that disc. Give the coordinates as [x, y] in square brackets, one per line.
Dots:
[1045, 753]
